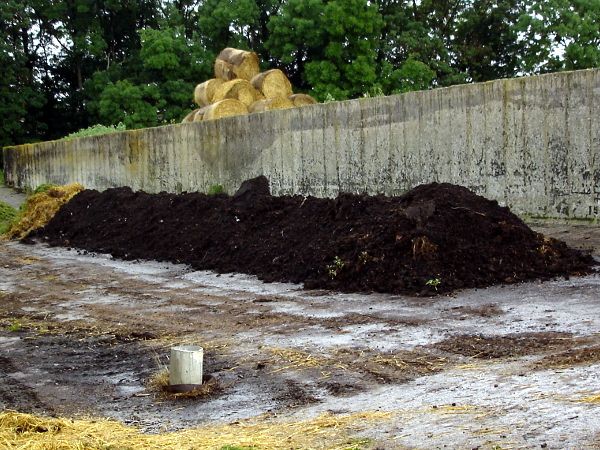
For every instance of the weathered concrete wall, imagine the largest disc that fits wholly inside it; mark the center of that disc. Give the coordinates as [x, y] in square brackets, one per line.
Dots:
[531, 143]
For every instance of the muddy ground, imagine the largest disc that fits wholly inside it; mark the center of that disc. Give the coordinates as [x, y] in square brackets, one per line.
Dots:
[502, 367]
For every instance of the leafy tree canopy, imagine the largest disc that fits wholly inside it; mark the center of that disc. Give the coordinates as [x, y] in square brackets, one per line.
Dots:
[69, 64]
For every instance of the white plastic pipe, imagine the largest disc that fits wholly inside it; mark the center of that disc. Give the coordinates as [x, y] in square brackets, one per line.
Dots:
[185, 366]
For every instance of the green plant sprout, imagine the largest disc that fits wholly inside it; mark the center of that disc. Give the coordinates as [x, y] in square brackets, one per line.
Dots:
[434, 282]
[15, 326]
[363, 257]
[334, 269]
[216, 189]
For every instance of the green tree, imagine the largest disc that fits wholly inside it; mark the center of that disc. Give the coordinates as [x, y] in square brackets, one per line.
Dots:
[134, 105]
[157, 88]
[412, 75]
[328, 46]
[68, 64]
[228, 23]
[485, 40]
[237, 23]
[93, 35]
[560, 35]
[22, 97]
[408, 55]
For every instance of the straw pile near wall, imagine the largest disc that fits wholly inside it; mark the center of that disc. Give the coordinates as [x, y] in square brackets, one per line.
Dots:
[239, 82]
[324, 432]
[40, 208]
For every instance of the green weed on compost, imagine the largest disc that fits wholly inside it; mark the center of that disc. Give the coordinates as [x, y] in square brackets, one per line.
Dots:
[434, 239]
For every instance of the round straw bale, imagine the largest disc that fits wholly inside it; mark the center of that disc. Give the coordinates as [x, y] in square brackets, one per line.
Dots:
[237, 89]
[233, 63]
[302, 99]
[190, 117]
[204, 92]
[269, 104]
[199, 116]
[224, 108]
[273, 83]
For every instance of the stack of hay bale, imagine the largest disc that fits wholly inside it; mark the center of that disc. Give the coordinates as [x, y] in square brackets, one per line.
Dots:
[239, 88]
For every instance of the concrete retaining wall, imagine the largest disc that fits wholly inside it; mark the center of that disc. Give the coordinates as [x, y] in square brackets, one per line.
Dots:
[531, 143]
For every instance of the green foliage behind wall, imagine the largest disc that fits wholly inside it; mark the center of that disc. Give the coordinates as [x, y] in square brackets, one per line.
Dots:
[70, 64]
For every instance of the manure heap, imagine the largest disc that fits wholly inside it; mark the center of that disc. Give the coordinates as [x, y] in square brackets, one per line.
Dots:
[434, 239]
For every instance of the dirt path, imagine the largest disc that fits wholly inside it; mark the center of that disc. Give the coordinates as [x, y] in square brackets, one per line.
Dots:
[505, 366]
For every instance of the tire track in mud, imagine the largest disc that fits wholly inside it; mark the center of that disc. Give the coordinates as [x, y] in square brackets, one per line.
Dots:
[15, 394]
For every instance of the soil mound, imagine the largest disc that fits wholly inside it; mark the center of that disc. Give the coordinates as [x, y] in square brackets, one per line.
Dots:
[436, 238]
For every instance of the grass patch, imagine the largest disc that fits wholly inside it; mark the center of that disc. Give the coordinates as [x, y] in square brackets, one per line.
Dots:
[15, 326]
[2, 182]
[216, 189]
[96, 130]
[7, 216]
[45, 187]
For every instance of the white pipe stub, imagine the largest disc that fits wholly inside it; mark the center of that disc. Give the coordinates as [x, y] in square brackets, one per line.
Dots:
[185, 368]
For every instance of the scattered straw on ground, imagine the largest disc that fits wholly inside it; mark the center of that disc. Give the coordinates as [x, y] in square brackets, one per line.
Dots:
[570, 358]
[324, 432]
[159, 383]
[594, 399]
[454, 409]
[40, 208]
[427, 363]
[297, 359]
[396, 366]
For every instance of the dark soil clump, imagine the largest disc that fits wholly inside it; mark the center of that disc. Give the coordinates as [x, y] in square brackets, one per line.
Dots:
[434, 239]
[491, 347]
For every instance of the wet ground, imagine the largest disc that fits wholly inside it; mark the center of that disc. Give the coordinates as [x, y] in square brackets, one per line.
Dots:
[12, 197]
[504, 367]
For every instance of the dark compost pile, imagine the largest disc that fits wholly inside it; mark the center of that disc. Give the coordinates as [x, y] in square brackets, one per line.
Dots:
[436, 238]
